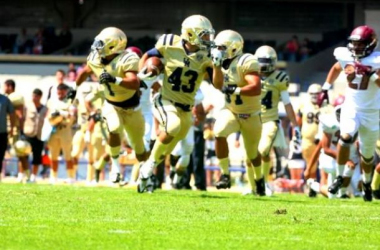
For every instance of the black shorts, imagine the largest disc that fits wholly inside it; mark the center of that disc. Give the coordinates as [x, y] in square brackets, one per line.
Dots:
[37, 147]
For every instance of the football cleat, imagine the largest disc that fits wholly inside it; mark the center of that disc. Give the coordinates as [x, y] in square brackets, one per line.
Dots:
[312, 193]
[97, 175]
[344, 196]
[115, 177]
[376, 194]
[224, 182]
[260, 187]
[334, 188]
[367, 192]
[142, 185]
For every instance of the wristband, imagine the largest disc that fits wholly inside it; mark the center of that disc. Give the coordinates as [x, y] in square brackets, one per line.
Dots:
[237, 91]
[326, 86]
[118, 80]
[374, 77]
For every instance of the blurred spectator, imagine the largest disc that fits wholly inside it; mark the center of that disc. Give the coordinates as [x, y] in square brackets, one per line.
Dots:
[34, 114]
[23, 43]
[38, 41]
[71, 75]
[60, 118]
[22, 150]
[305, 49]
[6, 108]
[211, 160]
[60, 77]
[291, 49]
[65, 37]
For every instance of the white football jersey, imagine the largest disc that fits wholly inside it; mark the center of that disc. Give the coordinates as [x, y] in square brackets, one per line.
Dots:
[329, 124]
[361, 94]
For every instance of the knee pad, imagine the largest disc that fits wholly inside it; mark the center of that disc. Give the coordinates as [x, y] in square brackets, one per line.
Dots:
[368, 161]
[184, 161]
[346, 140]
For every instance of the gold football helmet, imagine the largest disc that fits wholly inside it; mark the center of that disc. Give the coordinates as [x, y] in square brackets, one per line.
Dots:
[110, 41]
[267, 58]
[22, 148]
[16, 99]
[230, 42]
[197, 30]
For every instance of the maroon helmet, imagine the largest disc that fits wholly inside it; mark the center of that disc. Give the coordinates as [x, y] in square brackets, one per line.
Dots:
[135, 50]
[362, 41]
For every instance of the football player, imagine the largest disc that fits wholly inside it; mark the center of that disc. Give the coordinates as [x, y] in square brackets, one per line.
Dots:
[97, 130]
[186, 63]
[274, 87]
[360, 110]
[61, 119]
[79, 136]
[328, 134]
[17, 101]
[242, 88]
[117, 69]
[308, 120]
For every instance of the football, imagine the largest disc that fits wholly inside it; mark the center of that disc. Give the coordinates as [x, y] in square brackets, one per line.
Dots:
[154, 65]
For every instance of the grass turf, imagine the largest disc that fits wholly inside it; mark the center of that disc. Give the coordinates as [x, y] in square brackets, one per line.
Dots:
[69, 217]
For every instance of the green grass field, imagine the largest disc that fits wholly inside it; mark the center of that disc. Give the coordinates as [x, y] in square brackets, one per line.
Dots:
[69, 217]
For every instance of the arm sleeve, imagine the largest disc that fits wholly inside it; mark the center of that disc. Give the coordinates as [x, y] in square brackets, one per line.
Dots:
[285, 97]
[154, 52]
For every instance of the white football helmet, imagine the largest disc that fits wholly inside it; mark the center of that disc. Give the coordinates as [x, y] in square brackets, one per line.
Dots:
[110, 41]
[22, 148]
[314, 90]
[230, 42]
[267, 58]
[197, 30]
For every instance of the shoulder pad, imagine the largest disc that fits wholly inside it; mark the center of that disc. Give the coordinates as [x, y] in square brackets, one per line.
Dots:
[342, 53]
[128, 56]
[281, 77]
[168, 40]
[245, 58]
[92, 56]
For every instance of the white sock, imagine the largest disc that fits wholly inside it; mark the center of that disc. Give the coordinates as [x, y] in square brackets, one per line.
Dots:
[366, 177]
[348, 172]
[342, 191]
[32, 177]
[315, 186]
[115, 165]
[340, 169]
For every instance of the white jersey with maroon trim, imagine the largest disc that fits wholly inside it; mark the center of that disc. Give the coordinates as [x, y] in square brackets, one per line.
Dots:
[361, 92]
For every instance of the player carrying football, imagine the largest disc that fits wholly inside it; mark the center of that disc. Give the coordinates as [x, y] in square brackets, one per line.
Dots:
[186, 64]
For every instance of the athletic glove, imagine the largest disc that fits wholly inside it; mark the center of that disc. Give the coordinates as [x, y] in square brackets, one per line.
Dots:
[106, 78]
[216, 57]
[143, 75]
[231, 90]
